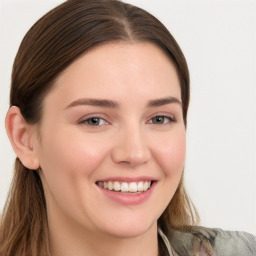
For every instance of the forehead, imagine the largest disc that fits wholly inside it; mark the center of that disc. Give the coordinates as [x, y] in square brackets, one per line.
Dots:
[119, 71]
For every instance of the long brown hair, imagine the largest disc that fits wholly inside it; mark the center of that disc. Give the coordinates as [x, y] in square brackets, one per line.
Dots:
[49, 47]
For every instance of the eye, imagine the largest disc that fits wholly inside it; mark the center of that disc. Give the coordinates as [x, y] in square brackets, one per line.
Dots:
[161, 120]
[94, 121]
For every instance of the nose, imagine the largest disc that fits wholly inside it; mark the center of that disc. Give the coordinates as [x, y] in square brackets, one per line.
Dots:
[131, 148]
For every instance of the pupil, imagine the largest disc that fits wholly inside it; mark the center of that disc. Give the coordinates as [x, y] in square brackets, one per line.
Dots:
[158, 119]
[94, 120]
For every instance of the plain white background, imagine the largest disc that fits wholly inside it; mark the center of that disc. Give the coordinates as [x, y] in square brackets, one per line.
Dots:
[218, 39]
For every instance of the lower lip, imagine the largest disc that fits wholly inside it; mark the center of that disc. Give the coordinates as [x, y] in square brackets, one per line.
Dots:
[129, 198]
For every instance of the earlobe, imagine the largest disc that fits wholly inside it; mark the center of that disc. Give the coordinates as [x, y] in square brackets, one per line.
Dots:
[21, 135]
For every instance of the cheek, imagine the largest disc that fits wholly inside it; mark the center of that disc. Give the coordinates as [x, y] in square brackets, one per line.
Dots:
[68, 161]
[82, 156]
[170, 153]
[72, 153]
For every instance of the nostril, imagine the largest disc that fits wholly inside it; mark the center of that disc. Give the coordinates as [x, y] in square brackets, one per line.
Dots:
[131, 152]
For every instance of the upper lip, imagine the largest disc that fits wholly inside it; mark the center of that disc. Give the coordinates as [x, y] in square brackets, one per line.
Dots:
[128, 179]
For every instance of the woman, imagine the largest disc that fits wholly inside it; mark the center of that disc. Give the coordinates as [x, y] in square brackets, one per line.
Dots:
[99, 100]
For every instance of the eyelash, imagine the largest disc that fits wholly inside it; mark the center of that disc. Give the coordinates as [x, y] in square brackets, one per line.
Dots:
[166, 119]
[86, 121]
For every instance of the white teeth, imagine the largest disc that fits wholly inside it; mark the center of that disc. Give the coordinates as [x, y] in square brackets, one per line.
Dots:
[146, 185]
[130, 187]
[133, 187]
[124, 187]
[140, 186]
[117, 186]
[110, 185]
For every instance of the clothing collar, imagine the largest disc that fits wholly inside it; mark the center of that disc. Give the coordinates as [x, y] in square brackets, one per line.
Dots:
[166, 241]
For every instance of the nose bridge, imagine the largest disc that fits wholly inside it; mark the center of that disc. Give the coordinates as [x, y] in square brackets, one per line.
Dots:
[131, 147]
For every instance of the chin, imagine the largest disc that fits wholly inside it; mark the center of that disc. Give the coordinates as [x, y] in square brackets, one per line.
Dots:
[130, 229]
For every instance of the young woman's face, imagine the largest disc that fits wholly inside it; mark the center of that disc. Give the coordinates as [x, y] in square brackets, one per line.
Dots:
[112, 144]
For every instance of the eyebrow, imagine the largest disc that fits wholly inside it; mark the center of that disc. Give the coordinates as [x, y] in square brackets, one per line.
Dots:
[113, 104]
[163, 101]
[94, 102]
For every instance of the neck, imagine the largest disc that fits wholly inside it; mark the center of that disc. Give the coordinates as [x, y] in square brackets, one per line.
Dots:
[69, 239]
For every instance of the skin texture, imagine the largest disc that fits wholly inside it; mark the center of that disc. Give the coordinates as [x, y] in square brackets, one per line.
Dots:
[126, 142]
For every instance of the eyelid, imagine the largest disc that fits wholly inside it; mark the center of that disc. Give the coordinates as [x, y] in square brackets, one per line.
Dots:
[171, 117]
[85, 119]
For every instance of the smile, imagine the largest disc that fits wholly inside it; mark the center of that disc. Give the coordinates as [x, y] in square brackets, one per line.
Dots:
[125, 187]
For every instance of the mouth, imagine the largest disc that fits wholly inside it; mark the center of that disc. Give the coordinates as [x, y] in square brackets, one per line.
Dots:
[127, 191]
[126, 187]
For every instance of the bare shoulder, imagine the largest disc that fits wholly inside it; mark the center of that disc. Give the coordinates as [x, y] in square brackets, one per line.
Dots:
[212, 241]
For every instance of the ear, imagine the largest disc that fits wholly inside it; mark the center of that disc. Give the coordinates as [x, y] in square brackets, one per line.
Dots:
[22, 137]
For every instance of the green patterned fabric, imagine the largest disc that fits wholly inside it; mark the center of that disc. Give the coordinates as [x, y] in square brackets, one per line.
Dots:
[201, 241]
